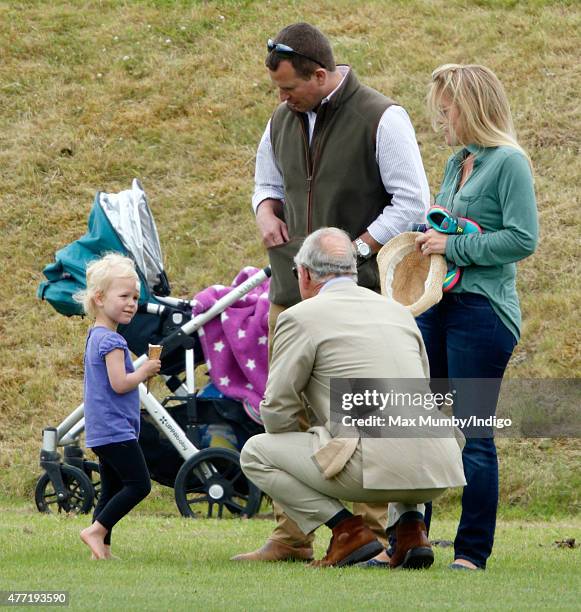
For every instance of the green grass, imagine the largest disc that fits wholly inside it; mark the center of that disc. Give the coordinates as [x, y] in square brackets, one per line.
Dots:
[178, 564]
[97, 92]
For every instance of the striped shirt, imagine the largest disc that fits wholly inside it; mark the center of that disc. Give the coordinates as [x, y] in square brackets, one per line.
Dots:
[400, 165]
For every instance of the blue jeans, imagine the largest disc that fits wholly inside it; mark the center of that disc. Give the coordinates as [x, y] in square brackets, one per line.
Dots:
[465, 338]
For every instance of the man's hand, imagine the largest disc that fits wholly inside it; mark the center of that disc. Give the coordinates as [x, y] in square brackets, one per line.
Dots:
[272, 228]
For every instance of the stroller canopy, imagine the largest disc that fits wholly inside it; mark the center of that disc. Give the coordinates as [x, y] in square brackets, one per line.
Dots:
[122, 223]
[130, 216]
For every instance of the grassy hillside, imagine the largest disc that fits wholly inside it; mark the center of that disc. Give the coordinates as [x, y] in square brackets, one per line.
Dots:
[175, 93]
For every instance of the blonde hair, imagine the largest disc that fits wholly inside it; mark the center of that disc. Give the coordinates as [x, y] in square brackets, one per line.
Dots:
[100, 274]
[484, 116]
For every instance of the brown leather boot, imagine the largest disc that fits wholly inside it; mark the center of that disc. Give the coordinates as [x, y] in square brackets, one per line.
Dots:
[352, 542]
[276, 551]
[413, 549]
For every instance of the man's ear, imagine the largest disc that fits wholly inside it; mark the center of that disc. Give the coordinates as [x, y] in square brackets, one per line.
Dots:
[320, 75]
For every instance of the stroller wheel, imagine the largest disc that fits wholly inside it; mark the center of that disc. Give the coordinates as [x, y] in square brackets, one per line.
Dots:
[79, 492]
[213, 478]
[91, 469]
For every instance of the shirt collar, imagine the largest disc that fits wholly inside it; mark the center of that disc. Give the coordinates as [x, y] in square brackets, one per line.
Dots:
[344, 71]
[477, 150]
[336, 280]
[474, 149]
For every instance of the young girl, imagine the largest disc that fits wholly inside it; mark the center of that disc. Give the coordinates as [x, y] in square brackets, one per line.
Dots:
[112, 397]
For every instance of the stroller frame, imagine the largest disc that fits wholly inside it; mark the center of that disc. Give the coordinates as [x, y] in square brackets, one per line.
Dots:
[211, 475]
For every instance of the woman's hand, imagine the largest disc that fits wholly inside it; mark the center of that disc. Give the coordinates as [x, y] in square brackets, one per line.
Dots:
[432, 242]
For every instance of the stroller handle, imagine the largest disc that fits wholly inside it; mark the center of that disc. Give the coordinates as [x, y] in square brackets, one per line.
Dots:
[227, 300]
[175, 340]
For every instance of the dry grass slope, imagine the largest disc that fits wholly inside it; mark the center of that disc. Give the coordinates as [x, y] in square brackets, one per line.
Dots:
[95, 93]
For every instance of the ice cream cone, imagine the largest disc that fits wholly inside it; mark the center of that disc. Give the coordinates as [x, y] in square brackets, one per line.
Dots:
[153, 352]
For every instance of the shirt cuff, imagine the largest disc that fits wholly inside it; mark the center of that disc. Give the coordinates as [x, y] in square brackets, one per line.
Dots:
[265, 194]
[450, 248]
[379, 233]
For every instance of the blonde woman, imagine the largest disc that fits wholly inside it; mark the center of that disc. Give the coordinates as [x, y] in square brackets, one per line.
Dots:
[472, 332]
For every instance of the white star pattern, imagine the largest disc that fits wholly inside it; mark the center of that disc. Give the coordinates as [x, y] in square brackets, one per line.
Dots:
[250, 386]
[241, 334]
[224, 316]
[264, 296]
[243, 298]
[218, 346]
[208, 364]
[262, 340]
[250, 364]
[201, 332]
[224, 381]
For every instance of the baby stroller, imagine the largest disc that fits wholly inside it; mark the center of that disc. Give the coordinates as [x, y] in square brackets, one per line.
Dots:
[173, 429]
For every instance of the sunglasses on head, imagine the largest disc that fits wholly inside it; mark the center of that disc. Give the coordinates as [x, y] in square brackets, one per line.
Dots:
[271, 45]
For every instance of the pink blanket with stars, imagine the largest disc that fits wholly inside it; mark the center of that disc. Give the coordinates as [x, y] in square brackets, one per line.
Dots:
[235, 344]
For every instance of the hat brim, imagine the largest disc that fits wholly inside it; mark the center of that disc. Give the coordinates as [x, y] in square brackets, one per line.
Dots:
[408, 277]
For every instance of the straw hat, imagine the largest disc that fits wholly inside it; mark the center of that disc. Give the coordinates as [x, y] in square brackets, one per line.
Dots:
[408, 277]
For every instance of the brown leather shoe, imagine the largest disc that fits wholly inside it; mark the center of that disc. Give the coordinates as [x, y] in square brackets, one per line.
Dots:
[413, 549]
[352, 542]
[277, 551]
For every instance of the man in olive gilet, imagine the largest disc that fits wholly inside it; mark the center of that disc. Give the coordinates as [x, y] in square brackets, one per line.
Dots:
[335, 153]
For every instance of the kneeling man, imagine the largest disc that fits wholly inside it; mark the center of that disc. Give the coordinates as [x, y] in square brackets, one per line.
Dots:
[341, 330]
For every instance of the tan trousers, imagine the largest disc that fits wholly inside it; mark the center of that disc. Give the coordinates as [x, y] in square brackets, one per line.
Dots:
[286, 530]
[282, 466]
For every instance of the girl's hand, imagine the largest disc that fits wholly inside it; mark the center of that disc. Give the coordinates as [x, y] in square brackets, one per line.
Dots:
[120, 380]
[431, 242]
[150, 368]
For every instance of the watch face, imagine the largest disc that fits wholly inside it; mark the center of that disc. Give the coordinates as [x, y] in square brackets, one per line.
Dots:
[363, 248]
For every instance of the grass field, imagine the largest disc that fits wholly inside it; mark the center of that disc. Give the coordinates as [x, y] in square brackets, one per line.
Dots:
[179, 564]
[95, 93]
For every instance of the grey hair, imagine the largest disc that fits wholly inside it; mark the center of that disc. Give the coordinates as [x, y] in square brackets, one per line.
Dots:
[314, 255]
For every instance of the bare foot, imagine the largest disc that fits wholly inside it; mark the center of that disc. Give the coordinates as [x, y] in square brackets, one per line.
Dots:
[465, 563]
[108, 555]
[94, 537]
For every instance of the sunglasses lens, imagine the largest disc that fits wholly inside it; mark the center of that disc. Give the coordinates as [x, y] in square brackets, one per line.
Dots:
[271, 45]
[279, 47]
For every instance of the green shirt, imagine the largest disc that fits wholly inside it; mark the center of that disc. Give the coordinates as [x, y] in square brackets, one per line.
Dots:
[498, 195]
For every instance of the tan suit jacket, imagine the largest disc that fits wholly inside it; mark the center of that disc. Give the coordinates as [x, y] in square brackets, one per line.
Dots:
[348, 331]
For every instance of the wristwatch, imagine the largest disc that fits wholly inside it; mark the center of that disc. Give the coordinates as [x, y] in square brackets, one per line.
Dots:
[362, 248]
